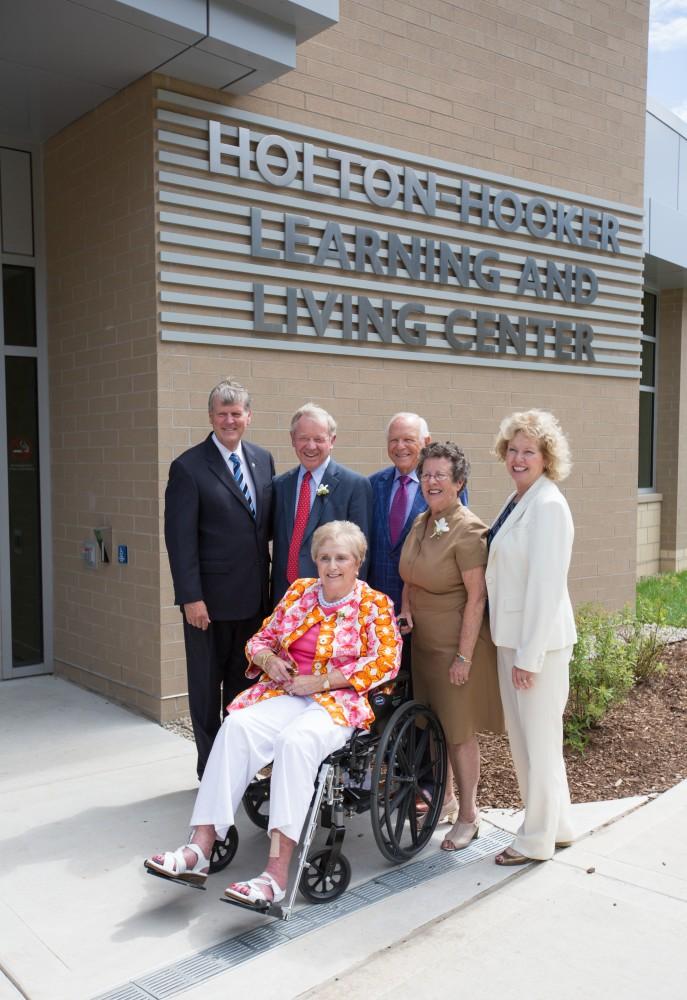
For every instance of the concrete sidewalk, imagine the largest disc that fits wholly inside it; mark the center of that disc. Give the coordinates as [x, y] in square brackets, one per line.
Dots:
[605, 919]
[88, 789]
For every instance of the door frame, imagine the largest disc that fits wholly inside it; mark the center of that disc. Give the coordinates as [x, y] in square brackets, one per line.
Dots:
[40, 352]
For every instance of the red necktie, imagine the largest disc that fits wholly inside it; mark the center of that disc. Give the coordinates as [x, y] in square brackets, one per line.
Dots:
[397, 513]
[302, 515]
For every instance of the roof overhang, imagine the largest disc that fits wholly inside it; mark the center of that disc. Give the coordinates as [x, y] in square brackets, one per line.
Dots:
[61, 58]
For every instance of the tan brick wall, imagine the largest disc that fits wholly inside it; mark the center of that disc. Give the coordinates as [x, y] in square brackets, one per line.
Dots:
[648, 534]
[554, 92]
[460, 403]
[550, 93]
[554, 96]
[103, 395]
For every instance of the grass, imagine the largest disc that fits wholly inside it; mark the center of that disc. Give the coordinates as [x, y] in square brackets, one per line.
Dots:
[663, 598]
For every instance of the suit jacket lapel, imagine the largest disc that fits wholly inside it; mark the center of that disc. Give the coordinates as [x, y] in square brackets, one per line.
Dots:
[520, 507]
[417, 506]
[387, 481]
[330, 479]
[289, 498]
[221, 470]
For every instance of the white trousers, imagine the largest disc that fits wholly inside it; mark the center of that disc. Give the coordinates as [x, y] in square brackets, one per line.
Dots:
[534, 720]
[295, 733]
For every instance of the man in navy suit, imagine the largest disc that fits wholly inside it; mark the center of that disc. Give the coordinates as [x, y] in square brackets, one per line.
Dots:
[218, 506]
[406, 436]
[317, 491]
[396, 502]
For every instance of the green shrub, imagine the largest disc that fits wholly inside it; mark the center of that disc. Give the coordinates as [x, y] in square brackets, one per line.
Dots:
[601, 669]
[647, 647]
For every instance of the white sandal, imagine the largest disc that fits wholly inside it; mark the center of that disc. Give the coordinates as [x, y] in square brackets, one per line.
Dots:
[255, 897]
[175, 868]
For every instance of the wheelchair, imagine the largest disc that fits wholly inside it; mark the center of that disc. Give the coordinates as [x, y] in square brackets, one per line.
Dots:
[396, 772]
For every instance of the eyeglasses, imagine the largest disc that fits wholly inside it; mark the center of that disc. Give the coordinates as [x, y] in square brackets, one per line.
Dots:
[440, 477]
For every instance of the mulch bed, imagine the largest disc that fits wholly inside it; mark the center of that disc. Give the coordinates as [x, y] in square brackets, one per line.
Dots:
[640, 747]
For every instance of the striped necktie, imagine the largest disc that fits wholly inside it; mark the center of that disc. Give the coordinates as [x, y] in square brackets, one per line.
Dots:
[241, 482]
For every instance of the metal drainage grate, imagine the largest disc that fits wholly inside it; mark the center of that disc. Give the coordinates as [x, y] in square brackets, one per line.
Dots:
[210, 962]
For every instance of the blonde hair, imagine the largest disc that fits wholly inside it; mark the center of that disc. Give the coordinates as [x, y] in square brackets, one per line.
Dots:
[344, 532]
[542, 427]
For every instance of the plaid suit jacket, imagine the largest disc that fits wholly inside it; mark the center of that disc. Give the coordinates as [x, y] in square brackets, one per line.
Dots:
[383, 571]
[384, 558]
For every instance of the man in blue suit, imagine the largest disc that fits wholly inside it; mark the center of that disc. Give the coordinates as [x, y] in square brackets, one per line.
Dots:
[396, 502]
[406, 436]
[317, 491]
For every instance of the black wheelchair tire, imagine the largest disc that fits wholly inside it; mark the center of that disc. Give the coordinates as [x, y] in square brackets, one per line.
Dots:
[223, 851]
[409, 758]
[322, 882]
[255, 798]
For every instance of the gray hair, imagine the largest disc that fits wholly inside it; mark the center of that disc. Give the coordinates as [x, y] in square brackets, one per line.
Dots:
[227, 392]
[344, 532]
[460, 467]
[415, 418]
[314, 413]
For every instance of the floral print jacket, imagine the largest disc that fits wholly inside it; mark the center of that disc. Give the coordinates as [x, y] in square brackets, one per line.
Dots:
[360, 639]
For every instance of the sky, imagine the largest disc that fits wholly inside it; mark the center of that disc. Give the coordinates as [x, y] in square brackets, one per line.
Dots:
[668, 55]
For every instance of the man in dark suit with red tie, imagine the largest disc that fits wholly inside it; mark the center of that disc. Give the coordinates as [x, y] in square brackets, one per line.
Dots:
[218, 507]
[317, 491]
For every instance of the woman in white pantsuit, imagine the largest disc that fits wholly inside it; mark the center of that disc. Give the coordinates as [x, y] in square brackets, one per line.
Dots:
[533, 626]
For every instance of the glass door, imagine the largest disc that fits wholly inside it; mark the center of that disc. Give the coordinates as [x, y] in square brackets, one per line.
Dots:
[23, 559]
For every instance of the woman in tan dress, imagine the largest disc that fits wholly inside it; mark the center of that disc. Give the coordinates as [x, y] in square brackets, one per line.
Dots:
[444, 597]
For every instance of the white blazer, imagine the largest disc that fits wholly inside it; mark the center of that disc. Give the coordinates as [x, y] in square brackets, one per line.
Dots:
[527, 577]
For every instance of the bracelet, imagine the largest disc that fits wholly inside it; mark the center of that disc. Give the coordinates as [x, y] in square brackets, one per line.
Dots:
[463, 659]
[262, 663]
[327, 684]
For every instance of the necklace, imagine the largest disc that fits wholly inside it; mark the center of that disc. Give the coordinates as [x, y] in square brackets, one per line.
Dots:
[332, 604]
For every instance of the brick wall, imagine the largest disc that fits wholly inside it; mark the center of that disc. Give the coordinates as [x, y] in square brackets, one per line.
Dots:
[552, 93]
[103, 395]
[648, 535]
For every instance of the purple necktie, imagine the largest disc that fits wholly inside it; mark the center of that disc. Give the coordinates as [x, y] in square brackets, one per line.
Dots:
[397, 513]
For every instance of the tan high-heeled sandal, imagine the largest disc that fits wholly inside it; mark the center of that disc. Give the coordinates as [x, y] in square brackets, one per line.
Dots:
[461, 834]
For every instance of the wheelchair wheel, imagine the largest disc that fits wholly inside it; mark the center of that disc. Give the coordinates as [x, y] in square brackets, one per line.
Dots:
[223, 851]
[256, 802]
[321, 881]
[410, 764]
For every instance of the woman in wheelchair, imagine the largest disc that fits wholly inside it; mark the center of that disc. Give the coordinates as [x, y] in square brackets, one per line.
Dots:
[324, 647]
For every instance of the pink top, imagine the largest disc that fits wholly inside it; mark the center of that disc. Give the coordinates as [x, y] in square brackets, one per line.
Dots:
[302, 650]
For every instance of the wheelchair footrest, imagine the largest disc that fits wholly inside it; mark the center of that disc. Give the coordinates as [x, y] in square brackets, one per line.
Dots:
[176, 881]
[253, 907]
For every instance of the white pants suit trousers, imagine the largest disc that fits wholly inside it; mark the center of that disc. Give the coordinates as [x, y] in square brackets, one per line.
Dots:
[534, 720]
[295, 733]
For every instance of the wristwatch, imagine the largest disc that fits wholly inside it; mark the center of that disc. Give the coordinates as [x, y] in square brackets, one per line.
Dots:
[463, 659]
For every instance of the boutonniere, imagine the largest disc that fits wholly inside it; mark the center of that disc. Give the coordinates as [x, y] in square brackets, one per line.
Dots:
[440, 528]
[322, 490]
